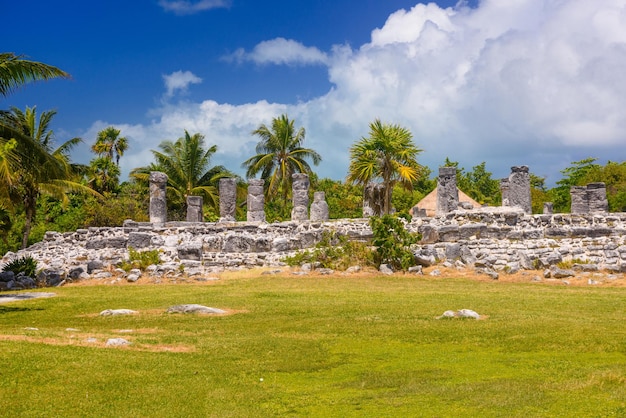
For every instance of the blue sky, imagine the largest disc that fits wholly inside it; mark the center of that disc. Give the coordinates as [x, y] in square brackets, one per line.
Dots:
[533, 82]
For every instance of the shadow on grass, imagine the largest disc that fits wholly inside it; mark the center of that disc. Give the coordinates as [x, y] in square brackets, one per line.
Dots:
[9, 309]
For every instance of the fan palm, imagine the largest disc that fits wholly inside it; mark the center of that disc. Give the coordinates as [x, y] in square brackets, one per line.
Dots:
[388, 154]
[47, 170]
[187, 165]
[110, 144]
[279, 155]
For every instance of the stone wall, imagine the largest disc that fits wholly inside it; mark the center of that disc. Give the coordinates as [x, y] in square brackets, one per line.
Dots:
[499, 238]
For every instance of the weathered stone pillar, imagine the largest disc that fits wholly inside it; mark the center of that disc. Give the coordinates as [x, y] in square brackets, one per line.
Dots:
[580, 202]
[158, 202]
[596, 196]
[373, 200]
[519, 188]
[256, 201]
[505, 190]
[228, 199]
[548, 208]
[300, 195]
[194, 209]
[319, 207]
[447, 192]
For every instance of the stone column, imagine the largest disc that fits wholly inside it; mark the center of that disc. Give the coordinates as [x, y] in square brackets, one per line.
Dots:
[194, 209]
[256, 201]
[505, 190]
[519, 189]
[447, 192]
[548, 208]
[580, 203]
[158, 202]
[319, 207]
[373, 200]
[228, 199]
[596, 197]
[300, 195]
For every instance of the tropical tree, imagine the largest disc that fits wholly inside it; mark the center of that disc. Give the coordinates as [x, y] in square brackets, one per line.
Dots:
[387, 154]
[103, 175]
[48, 172]
[279, 155]
[16, 71]
[110, 144]
[187, 165]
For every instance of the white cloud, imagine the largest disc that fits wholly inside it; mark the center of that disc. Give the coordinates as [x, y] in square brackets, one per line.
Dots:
[280, 51]
[183, 7]
[534, 82]
[179, 81]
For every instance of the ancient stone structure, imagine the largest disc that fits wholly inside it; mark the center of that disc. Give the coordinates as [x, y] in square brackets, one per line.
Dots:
[517, 190]
[502, 239]
[158, 203]
[548, 208]
[319, 207]
[596, 196]
[256, 201]
[300, 195]
[373, 200]
[194, 209]
[589, 199]
[447, 192]
[228, 199]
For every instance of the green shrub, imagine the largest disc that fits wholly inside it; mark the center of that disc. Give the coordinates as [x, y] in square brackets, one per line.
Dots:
[392, 242]
[140, 259]
[26, 265]
[334, 251]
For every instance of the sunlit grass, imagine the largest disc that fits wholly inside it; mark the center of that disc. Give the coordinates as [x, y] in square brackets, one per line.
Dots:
[342, 346]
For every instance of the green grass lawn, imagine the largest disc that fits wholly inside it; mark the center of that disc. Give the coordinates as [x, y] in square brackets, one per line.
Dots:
[341, 346]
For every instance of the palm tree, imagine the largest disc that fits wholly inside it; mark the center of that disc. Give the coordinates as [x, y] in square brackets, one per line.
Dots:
[110, 144]
[279, 155]
[16, 71]
[388, 154]
[187, 165]
[103, 175]
[48, 170]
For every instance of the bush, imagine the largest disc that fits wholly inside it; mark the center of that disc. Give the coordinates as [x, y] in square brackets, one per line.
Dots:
[334, 251]
[392, 242]
[26, 265]
[140, 259]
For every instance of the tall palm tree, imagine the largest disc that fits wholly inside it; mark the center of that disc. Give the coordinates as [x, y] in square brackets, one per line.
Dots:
[16, 71]
[48, 171]
[187, 165]
[389, 154]
[279, 155]
[110, 144]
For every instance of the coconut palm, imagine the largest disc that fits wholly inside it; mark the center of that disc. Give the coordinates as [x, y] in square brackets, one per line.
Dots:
[47, 171]
[187, 165]
[16, 71]
[110, 144]
[387, 154]
[279, 155]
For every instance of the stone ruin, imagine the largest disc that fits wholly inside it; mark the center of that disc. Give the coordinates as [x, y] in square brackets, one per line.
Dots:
[256, 201]
[589, 199]
[447, 192]
[373, 200]
[158, 202]
[228, 199]
[516, 189]
[300, 196]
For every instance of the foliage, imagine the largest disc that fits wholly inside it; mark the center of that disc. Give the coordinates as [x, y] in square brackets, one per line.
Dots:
[388, 154]
[334, 251]
[45, 170]
[110, 144]
[344, 200]
[16, 71]
[392, 242]
[280, 154]
[613, 175]
[140, 259]
[404, 200]
[538, 193]
[573, 175]
[187, 165]
[25, 264]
